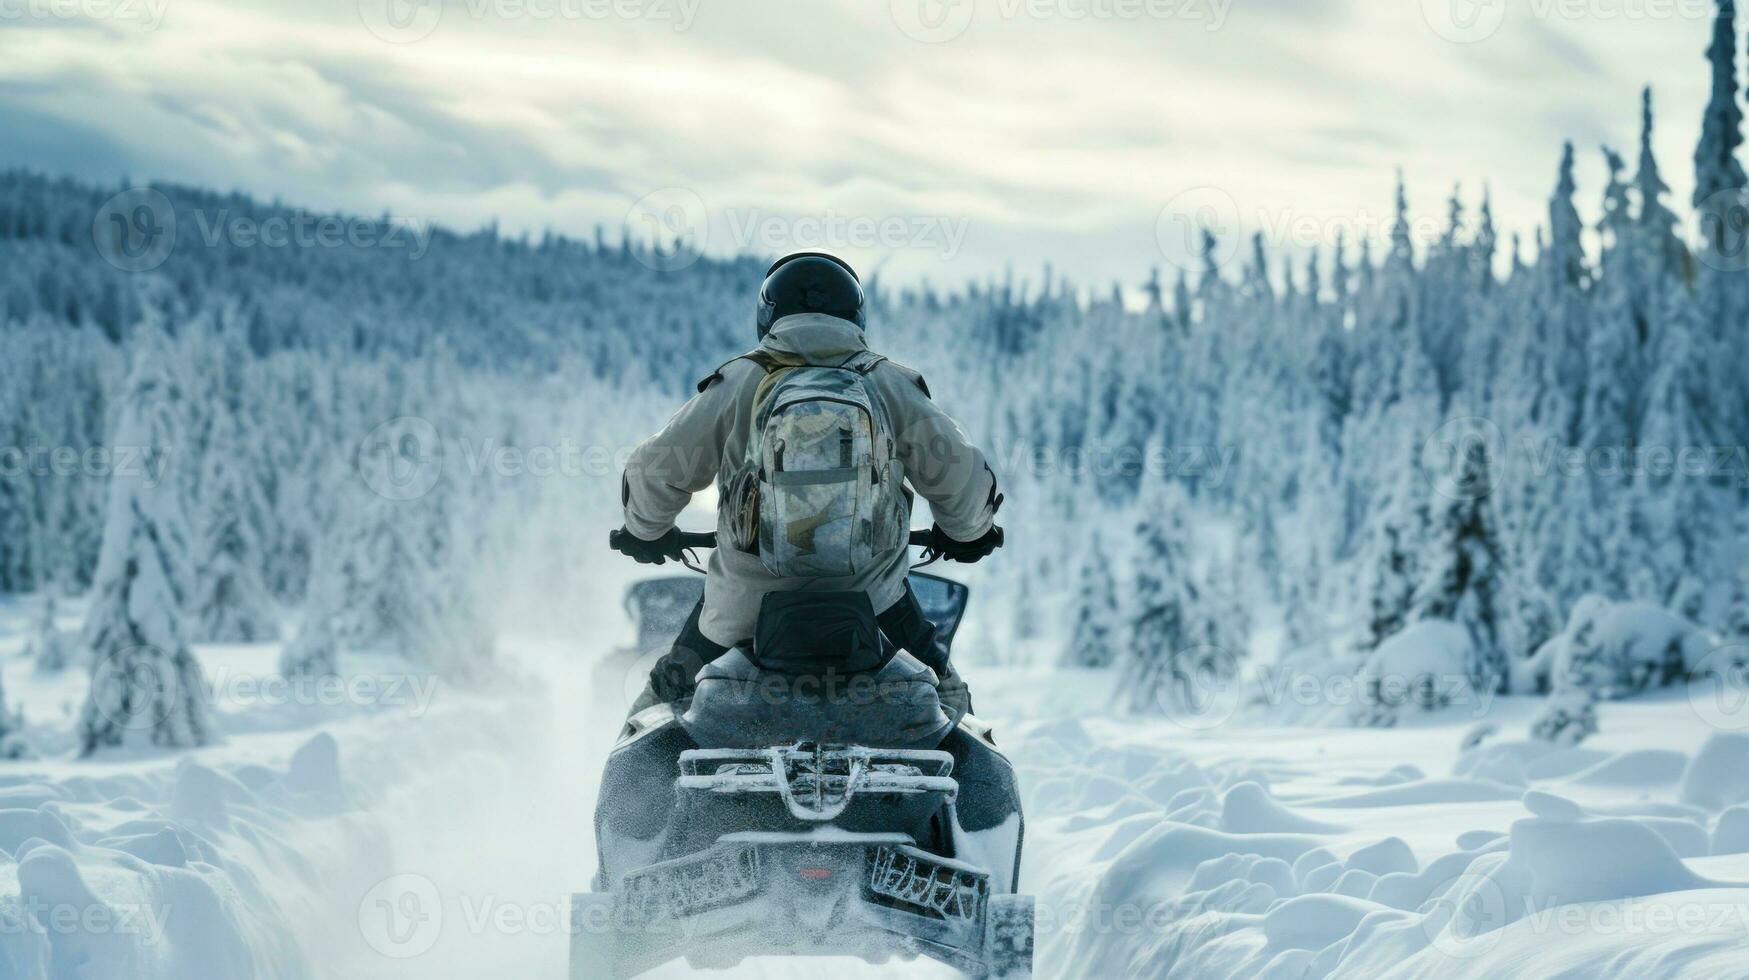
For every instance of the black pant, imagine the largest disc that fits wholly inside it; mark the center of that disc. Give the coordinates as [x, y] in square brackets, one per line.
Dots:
[673, 677]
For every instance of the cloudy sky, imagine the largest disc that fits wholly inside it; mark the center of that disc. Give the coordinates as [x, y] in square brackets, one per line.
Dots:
[939, 138]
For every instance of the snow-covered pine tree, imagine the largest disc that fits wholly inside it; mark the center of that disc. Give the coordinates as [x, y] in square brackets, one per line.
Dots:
[314, 652]
[1175, 650]
[1687, 515]
[1183, 313]
[1463, 569]
[1095, 638]
[1486, 245]
[1556, 341]
[1718, 175]
[1399, 525]
[48, 648]
[1656, 222]
[1162, 602]
[146, 686]
[1612, 344]
[1566, 254]
[1026, 614]
[11, 727]
[231, 603]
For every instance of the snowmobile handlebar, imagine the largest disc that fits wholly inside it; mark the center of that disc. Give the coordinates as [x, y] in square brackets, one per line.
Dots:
[698, 539]
[709, 538]
[685, 541]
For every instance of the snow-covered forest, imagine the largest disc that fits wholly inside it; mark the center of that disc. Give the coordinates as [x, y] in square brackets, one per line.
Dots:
[379, 443]
[1341, 489]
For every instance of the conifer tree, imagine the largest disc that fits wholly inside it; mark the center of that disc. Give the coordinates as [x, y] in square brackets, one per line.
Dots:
[146, 686]
[1462, 563]
[1094, 641]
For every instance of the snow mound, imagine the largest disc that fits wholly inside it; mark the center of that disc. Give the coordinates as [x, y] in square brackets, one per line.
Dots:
[161, 870]
[1425, 666]
[1616, 649]
[1568, 861]
[1731, 833]
[1718, 775]
[1249, 809]
[1312, 922]
[1642, 768]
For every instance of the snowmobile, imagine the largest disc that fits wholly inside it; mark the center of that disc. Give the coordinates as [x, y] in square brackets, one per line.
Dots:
[812, 799]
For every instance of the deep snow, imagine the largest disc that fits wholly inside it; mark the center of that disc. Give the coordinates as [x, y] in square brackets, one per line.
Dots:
[437, 833]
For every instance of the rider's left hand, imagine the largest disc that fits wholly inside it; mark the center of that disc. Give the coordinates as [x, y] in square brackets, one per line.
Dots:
[647, 552]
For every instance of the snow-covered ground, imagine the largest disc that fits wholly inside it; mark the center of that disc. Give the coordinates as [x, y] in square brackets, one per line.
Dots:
[1160, 851]
[405, 828]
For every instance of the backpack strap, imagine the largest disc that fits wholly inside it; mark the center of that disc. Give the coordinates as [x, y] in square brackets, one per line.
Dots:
[863, 361]
[766, 361]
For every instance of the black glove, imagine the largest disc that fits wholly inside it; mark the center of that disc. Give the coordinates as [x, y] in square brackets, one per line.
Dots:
[647, 552]
[964, 551]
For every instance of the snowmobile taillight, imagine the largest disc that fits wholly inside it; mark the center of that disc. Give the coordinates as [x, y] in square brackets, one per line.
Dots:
[815, 874]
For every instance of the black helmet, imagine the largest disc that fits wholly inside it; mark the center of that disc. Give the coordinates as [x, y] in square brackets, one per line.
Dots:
[810, 282]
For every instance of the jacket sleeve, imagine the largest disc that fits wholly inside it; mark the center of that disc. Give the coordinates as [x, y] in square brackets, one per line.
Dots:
[665, 470]
[940, 462]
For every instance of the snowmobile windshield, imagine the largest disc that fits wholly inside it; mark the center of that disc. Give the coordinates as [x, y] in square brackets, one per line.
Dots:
[660, 606]
[943, 602]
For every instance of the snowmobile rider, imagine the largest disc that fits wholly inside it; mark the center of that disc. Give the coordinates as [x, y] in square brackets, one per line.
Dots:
[810, 315]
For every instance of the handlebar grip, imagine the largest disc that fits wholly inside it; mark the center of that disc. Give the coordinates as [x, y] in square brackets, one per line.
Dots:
[688, 539]
[920, 539]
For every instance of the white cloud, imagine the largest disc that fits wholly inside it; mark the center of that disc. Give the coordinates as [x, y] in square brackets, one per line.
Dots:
[1049, 137]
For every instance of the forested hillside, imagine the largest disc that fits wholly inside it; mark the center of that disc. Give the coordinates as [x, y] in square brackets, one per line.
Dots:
[384, 432]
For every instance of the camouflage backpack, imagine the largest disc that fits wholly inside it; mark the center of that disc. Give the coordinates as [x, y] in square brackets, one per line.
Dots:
[821, 492]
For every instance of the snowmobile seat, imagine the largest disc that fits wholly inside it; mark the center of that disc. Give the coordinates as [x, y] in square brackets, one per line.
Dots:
[738, 704]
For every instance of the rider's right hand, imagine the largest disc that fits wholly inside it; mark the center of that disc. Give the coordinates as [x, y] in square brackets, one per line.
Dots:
[647, 552]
